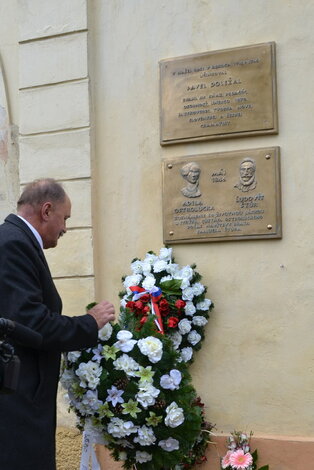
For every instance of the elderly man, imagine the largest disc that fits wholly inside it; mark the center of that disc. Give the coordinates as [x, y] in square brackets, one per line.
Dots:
[29, 296]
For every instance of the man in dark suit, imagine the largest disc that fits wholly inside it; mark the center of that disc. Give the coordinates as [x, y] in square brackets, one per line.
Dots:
[28, 296]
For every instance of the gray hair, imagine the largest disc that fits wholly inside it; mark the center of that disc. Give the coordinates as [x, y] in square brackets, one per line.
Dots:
[185, 170]
[40, 191]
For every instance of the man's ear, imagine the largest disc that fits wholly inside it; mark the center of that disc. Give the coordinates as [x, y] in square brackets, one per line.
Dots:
[45, 211]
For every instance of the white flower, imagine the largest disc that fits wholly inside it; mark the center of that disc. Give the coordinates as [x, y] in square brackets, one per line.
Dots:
[142, 456]
[176, 339]
[187, 293]
[132, 280]
[91, 402]
[125, 343]
[169, 444]
[89, 373]
[151, 347]
[194, 337]
[159, 266]
[67, 378]
[105, 332]
[145, 437]
[137, 267]
[198, 288]
[97, 353]
[184, 326]
[73, 356]
[186, 354]
[147, 394]
[115, 395]
[166, 278]
[189, 309]
[171, 381]
[199, 320]
[175, 415]
[149, 282]
[127, 364]
[172, 269]
[165, 253]
[119, 428]
[147, 267]
[124, 301]
[150, 258]
[204, 304]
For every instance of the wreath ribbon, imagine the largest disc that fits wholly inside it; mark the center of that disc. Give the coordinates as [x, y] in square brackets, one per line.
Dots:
[155, 295]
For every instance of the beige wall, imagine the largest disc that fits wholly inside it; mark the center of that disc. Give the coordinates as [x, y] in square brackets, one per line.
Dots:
[255, 370]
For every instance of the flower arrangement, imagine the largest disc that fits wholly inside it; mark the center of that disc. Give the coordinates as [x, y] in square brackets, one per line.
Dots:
[133, 390]
[174, 294]
[239, 456]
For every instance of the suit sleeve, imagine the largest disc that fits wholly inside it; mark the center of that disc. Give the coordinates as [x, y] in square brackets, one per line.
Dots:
[21, 299]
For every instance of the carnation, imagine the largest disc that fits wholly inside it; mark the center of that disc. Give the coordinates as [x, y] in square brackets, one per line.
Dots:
[186, 354]
[198, 289]
[204, 304]
[151, 347]
[184, 326]
[176, 339]
[194, 337]
[187, 293]
[149, 282]
[189, 308]
[132, 280]
[165, 253]
[199, 320]
[159, 266]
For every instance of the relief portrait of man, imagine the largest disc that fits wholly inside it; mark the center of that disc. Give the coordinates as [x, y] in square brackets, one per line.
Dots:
[191, 173]
[247, 181]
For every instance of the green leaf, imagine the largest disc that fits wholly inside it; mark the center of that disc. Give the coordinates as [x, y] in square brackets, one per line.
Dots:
[172, 287]
[91, 305]
[265, 467]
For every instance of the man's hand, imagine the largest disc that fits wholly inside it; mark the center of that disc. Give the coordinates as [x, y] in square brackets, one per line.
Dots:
[103, 313]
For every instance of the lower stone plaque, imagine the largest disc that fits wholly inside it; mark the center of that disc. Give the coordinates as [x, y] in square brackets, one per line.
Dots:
[222, 196]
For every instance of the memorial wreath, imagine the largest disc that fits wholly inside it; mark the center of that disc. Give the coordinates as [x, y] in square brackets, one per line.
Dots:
[133, 391]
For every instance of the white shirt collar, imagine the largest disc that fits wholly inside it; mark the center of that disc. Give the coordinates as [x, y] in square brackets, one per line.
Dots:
[36, 234]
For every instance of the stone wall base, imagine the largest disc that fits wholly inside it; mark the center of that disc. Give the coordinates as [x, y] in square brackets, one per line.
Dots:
[280, 452]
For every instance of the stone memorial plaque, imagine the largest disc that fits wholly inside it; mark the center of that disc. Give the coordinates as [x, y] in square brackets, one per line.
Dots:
[222, 196]
[219, 94]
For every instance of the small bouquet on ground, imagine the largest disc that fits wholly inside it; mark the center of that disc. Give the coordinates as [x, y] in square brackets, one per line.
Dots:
[239, 456]
[133, 392]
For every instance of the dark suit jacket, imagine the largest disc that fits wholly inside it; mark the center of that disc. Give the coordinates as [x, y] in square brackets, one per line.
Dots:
[28, 295]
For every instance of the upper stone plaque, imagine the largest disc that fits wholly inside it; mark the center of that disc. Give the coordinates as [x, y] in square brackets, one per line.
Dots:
[219, 94]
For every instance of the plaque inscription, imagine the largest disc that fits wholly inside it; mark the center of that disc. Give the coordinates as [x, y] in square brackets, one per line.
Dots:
[222, 196]
[218, 94]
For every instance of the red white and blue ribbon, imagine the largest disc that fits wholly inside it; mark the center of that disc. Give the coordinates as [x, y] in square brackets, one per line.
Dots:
[155, 295]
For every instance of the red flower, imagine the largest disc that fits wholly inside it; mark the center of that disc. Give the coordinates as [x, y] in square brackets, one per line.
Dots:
[180, 304]
[130, 305]
[143, 319]
[173, 322]
[138, 305]
[164, 307]
[145, 298]
[146, 309]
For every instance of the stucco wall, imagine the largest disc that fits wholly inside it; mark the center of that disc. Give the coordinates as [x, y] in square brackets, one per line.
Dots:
[255, 368]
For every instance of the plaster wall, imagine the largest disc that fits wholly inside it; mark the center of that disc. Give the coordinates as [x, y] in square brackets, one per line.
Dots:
[255, 370]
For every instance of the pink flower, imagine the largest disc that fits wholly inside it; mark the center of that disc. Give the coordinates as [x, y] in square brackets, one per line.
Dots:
[226, 460]
[239, 460]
